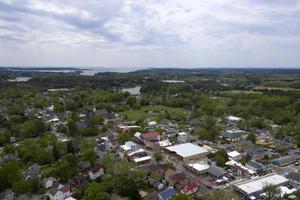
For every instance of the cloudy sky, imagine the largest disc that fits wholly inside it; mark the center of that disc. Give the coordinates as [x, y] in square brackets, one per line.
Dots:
[150, 33]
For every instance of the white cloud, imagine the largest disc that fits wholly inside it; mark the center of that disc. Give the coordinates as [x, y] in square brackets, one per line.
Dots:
[154, 32]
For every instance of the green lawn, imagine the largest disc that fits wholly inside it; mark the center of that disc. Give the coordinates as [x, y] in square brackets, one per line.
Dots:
[47, 170]
[152, 112]
[284, 89]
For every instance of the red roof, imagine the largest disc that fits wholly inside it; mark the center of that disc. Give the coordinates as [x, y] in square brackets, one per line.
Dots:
[191, 186]
[64, 189]
[151, 135]
[95, 168]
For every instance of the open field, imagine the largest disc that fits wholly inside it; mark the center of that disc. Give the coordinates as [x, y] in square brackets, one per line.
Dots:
[152, 112]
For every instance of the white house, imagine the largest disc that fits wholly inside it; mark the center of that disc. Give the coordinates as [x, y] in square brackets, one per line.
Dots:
[59, 194]
[152, 123]
[127, 148]
[96, 171]
[234, 155]
[48, 182]
[182, 137]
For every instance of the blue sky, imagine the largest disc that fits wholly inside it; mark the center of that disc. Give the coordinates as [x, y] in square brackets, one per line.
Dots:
[150, 33]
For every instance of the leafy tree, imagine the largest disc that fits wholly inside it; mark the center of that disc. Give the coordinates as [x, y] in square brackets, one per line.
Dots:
[96, 191]
[221, 195]
[272, 192]
[158, 156]
[251, 137]
[66, 168]
[10, 172]
[182, 197]
[21, 187]
[89, 155]
[123, 137]
[72, 128]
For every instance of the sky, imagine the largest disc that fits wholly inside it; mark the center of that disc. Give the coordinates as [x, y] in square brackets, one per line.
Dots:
[150, 33]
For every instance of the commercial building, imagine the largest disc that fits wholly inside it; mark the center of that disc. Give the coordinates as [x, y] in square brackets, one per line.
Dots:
[252, 188]
[188, 151]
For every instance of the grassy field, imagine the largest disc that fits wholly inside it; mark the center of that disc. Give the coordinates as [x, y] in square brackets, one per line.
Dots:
[152, 112]
[284, 89]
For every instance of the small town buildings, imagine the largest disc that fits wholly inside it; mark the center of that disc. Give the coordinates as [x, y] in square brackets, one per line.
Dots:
[243, 170]
[152, 123]
[139, 157]
[150, 137]
[254, 187]
[190, 188]
[199, 167]
[127, 148]
[33, 171]
[167, 194]
[79, 181]
[158, 185]
[234, 155]
[235, 135]
[285, 161]
[216, 172]
[188, 152]
[255, 166]
[182, 137]
[294, 177]
[96, 171]
[48, 182]
[60, 193]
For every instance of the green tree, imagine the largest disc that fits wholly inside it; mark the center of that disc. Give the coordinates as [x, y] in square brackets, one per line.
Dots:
[21, 187]
[272, 192]
[251, 137]
[182, 197]
[10, 172]
[96, 191]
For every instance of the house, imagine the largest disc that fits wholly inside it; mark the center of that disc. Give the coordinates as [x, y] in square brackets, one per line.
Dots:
[168, 174]
[139, 156]
[243, 171]
[7, 195]
[234, 155]
[216, 172]
[152, 123]
[59, 194]
[235, 135]
[182, 137]
[48, 182]
[178, 180]
[190, 188]
[285, 161]
[79, 181]
[150, 137]
[96, 171]
[158, 185]
[127, 148]
[33, 171]
[294, 177]
[167, 194]
[255, 166]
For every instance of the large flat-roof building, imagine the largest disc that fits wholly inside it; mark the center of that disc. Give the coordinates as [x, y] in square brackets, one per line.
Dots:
[254, 187]
[188, 151]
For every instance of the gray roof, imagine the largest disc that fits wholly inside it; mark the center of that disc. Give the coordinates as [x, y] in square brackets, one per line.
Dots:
[53, 191]
[255, 164]
[293, 176]
[216, 171]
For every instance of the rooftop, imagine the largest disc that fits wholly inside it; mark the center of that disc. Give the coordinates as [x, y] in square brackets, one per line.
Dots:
[187, 149]
[256, 185]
